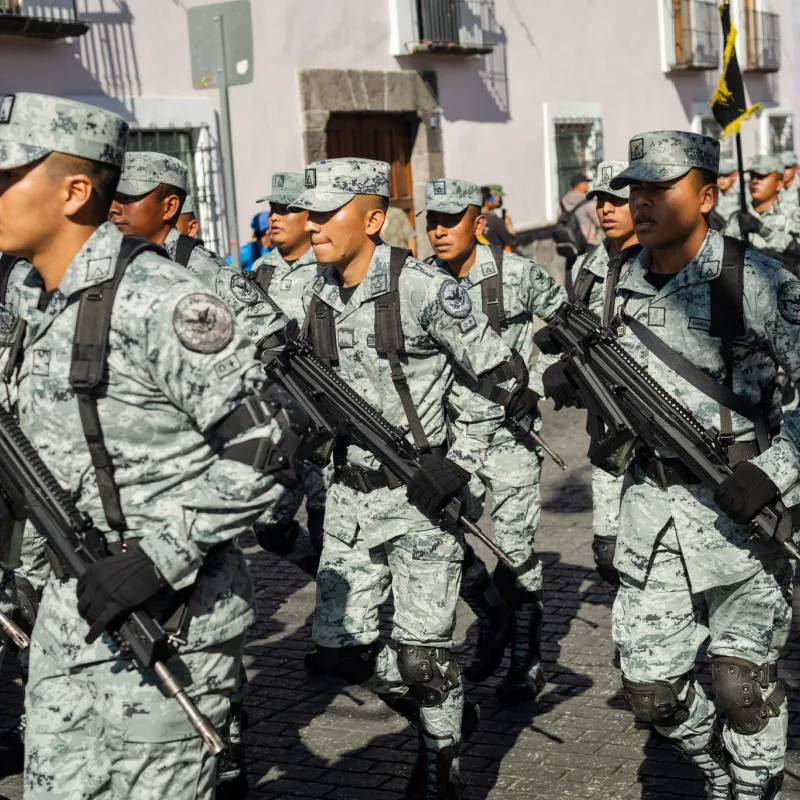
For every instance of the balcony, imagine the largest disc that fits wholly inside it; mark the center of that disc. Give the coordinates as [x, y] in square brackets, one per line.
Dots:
[41, 19]
[696, 34]
[763, 35]
[455, 27]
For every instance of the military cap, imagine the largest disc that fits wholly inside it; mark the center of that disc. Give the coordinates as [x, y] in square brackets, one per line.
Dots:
[764, 165]
[334, 183]
[188, 205]
[607, 170]
[727, 166]
[666, 156]
[34, 125]
[286, 188]
[789, 158]
[144, 171]
[451, 196]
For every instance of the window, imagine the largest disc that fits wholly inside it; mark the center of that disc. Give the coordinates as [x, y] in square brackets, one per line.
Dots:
[41, 19]
[695, 35]
[710, 127]
[193, 148]
[780, 133]
[763, 38]
[459, 27]
[579, 148]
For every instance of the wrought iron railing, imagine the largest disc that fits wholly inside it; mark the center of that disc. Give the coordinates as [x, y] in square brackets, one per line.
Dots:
[697, 34]
[455, 25]
[47, 19]
[763, 33]
[579, 148]
[46, 10]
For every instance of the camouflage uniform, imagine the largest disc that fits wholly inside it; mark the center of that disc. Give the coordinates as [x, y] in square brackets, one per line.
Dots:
[511, 467]
[278, 530]
[730, 202]
[385, 543]
[96, 727]
[790, 195]
[689, 573]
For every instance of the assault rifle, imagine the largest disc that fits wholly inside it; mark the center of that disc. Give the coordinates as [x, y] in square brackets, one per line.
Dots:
[334, 409]
[628, 409]
[29, 490]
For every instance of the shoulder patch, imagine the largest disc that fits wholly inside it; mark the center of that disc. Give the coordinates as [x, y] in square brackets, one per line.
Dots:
[789, 302]
[203, 323]
[243, 290]
[796, 215]
[454, 299]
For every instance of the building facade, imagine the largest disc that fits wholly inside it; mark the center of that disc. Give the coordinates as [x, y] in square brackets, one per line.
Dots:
[521, 93]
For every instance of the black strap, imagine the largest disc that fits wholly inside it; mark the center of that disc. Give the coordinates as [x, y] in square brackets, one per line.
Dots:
[321, 328]
[612, 279]
[492, 293]
[7, 263]
[88, 371]
[585, 279]
[389, 341]
[263, 276]
[186, 245]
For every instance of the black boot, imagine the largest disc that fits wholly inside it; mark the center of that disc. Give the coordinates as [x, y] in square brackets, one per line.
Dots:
[12, 749]
[525, 679]
[436, 773]
[278, 539]
[712, 761]
[231, 772]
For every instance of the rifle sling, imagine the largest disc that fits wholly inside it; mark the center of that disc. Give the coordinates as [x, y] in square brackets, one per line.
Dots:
[492, 294]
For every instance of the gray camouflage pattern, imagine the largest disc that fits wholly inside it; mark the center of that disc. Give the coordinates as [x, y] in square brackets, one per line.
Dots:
[449, 196]
[256, 316]
[286, 188]
[727, 166]
[144, 171]
[779, 234]
[333, 183]
[667, 155]
[790, 196]
[762, 164]
[788, 158]
[607, 170]
[33, 125]
[729, 203]
[188, 205]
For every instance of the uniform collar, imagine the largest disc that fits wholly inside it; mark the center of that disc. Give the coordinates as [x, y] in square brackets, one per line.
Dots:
[483, 267]
[171, 242]
[277, 260]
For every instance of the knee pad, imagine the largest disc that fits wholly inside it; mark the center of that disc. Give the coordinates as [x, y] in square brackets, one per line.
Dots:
[277, 538]
[510, 590]
[316, 527]
[27, 602]
[739, 687]
[429, 672]
[657, 702]
[354, 664]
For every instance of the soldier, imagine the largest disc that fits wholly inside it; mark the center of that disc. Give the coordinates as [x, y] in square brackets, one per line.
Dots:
[511, 290]
[375, 540]
[691, 570]
[790, 194]
[160, 457]
[151, 191]
[282, 274]
[187, 221]
[592, 286]
[772, 229]
[729, 200]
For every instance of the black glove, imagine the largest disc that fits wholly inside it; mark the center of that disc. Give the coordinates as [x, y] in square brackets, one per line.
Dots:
[559, 386]
[745, 492]
[546, 342]
[603, 548]
[436, 482]
[521, 404]
[115, 586]
[748, 223]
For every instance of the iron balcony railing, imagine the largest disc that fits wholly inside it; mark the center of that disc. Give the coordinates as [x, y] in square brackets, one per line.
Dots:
[455, 26]
[697, 34]
[43, 19]
[763, 33]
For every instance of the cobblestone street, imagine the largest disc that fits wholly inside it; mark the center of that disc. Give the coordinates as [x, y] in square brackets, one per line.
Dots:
[312, 737]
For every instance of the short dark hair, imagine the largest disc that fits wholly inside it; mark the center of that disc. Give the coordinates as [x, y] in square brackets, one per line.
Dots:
[104, 179]
[164, 190]
[702, 177]
[486, 193]
[577, 178]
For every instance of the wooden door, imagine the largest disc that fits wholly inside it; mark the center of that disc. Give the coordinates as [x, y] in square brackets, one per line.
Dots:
[383, 137]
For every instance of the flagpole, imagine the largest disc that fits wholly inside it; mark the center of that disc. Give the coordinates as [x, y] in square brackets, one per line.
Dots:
[742, 196]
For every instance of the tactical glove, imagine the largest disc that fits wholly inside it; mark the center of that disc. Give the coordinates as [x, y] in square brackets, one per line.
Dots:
[559, 386]
[546, 342]
[745, 492]
[521, 404]
[436, 482]
[748, 223]
[603, 548]
[113, 587]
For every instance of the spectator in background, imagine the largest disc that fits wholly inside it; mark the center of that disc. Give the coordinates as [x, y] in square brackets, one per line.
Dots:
[259, 246]
[187, 221]
[499, 231]
[398, 231]
[586, 214]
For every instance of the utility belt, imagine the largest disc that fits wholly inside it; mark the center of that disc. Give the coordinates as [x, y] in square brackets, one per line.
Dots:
[666, 472]
[363, 480]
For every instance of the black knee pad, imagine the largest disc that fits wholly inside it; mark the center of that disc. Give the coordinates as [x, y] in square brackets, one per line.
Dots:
[279, 538]
[353, 664]
[657, 702]
[429, 672]
[27, 604]
[739, 687]
[514, 595]
[316, 527]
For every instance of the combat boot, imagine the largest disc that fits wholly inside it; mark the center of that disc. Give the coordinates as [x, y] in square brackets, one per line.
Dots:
[436, 772]
[712, 761]
[277, 538]
[12, 749]
[495, 630]
[525, 678]
[231, 772]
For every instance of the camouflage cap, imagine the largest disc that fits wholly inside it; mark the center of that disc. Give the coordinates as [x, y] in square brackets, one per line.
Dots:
[727, 166]
[764, 165]
[286, 188]
[666, 156]
[789, 158]
[451, 196]
[334, 183]
[188, 205]
[607, 170]
[144, 171]
[34, 125]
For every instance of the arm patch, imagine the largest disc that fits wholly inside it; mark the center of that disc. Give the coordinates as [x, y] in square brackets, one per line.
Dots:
[203, 323]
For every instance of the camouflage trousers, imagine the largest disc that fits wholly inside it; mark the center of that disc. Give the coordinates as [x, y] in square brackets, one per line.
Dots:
[660, 626]
[423, 572]
[511, 471]
[606, 496]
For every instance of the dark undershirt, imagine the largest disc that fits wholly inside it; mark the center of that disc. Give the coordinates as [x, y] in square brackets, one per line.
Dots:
[289, 263]
[346, 292]
[45, 298]
[657, 280]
